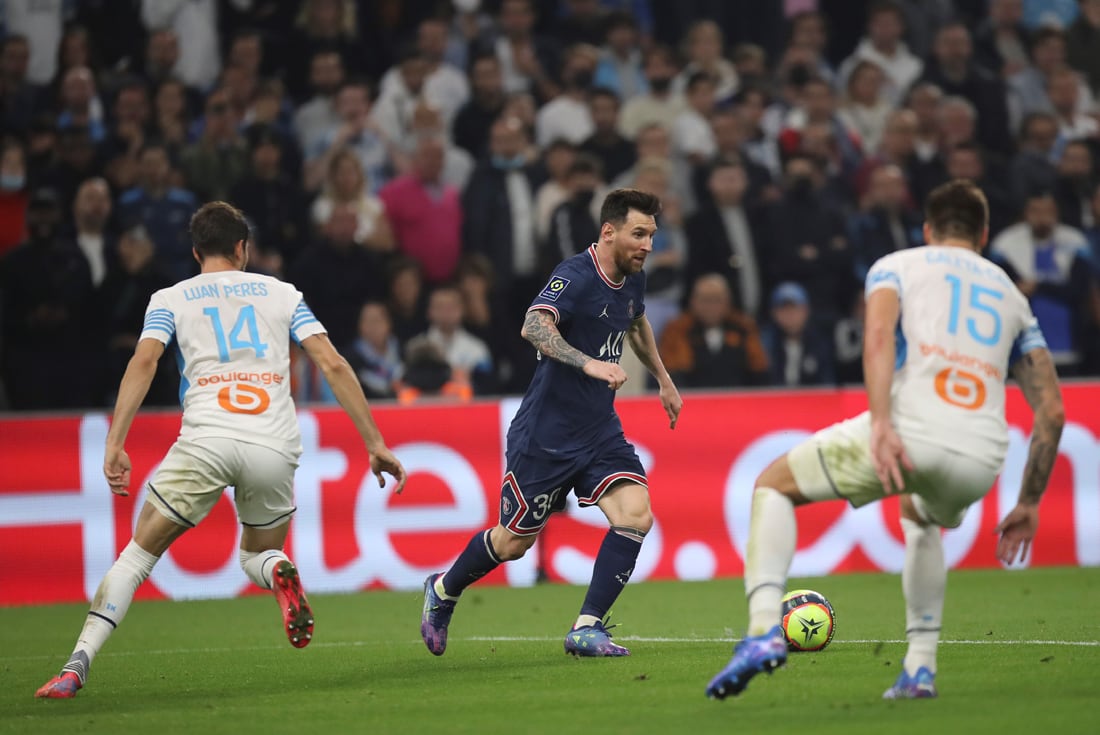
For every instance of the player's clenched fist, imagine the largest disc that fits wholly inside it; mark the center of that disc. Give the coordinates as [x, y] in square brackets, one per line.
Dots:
[609, 372]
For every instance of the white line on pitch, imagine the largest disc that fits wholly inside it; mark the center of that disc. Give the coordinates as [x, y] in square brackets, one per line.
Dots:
[542, 639]
[643, 639]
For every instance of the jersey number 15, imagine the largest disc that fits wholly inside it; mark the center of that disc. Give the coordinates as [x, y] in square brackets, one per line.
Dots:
[988, 330]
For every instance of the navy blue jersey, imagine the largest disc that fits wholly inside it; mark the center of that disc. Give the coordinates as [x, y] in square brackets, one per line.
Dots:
[564, 411]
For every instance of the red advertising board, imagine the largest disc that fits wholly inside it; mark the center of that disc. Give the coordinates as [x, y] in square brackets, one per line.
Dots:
[60, 527]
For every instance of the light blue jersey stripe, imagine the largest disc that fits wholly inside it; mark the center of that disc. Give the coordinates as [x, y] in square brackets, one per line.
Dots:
[876, 277]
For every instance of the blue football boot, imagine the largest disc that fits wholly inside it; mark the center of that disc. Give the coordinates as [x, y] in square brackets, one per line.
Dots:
[752, 656]
[592, 640]
[435, 618]
[921, 685]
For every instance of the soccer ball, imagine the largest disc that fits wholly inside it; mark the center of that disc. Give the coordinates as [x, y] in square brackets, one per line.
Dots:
[808, 620]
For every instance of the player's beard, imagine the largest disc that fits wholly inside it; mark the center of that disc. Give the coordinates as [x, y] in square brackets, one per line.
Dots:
[628, 265]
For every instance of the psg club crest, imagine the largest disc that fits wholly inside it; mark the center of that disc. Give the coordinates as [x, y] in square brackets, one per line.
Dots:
[505, 506]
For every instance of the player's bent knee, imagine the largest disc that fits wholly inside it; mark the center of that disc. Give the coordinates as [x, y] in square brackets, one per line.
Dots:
[514, 548]
[778, 476]
[641, 520]
[627, 505]
[508, 546]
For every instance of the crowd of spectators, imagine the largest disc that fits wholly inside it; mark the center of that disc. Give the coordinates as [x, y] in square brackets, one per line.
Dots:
[416, 167]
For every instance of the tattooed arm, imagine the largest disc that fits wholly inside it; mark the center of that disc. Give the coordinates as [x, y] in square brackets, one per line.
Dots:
[1038, 380]
[539, 329]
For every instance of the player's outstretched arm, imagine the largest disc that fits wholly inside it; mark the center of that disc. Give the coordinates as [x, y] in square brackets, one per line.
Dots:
[539, 329]
[644, 345]
[345, 386]
[1039, 381]
[131, 392]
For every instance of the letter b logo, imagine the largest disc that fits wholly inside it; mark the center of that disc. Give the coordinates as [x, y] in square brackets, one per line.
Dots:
[243, 398]
[960, 388]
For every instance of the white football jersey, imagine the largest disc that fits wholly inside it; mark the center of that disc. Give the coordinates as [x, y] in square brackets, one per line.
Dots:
[963, 323]
[232, 334]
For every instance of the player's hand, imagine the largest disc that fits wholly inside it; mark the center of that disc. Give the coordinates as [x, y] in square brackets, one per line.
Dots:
[383, 460]
[889, 457]
[609, 372]
[673, 403]
[116, 468]
[1017, 530]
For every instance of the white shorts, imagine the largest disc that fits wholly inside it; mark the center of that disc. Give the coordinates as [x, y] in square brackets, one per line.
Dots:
[836, 463]
[194, 473]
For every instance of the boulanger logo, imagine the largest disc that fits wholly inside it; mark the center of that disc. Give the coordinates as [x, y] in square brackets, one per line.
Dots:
[244, 398]
[960, 388]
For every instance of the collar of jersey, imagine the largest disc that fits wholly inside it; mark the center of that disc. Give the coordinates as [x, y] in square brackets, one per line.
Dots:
[599, 269]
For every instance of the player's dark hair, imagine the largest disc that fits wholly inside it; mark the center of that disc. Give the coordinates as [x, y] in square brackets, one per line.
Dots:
[957, 209]
[617, 205]
[217, 228]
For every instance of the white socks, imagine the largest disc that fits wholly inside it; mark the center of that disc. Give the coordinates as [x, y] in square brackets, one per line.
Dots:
[923, 580]
[585, 620]
[109, 607]
[259, 565]
[772, 541]
[441, 590]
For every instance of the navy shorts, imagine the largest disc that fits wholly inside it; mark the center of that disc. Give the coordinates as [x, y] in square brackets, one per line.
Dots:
[536, 486]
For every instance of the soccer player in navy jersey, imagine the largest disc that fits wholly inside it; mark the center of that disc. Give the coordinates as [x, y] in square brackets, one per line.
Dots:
[566, 436]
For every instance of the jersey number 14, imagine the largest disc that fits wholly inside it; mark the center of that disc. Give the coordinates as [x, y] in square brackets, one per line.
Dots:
[245, 334]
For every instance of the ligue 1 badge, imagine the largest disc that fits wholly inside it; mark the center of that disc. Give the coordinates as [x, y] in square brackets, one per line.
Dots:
[554, 288]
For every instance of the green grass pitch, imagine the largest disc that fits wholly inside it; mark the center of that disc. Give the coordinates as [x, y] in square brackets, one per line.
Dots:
[1021, 656]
